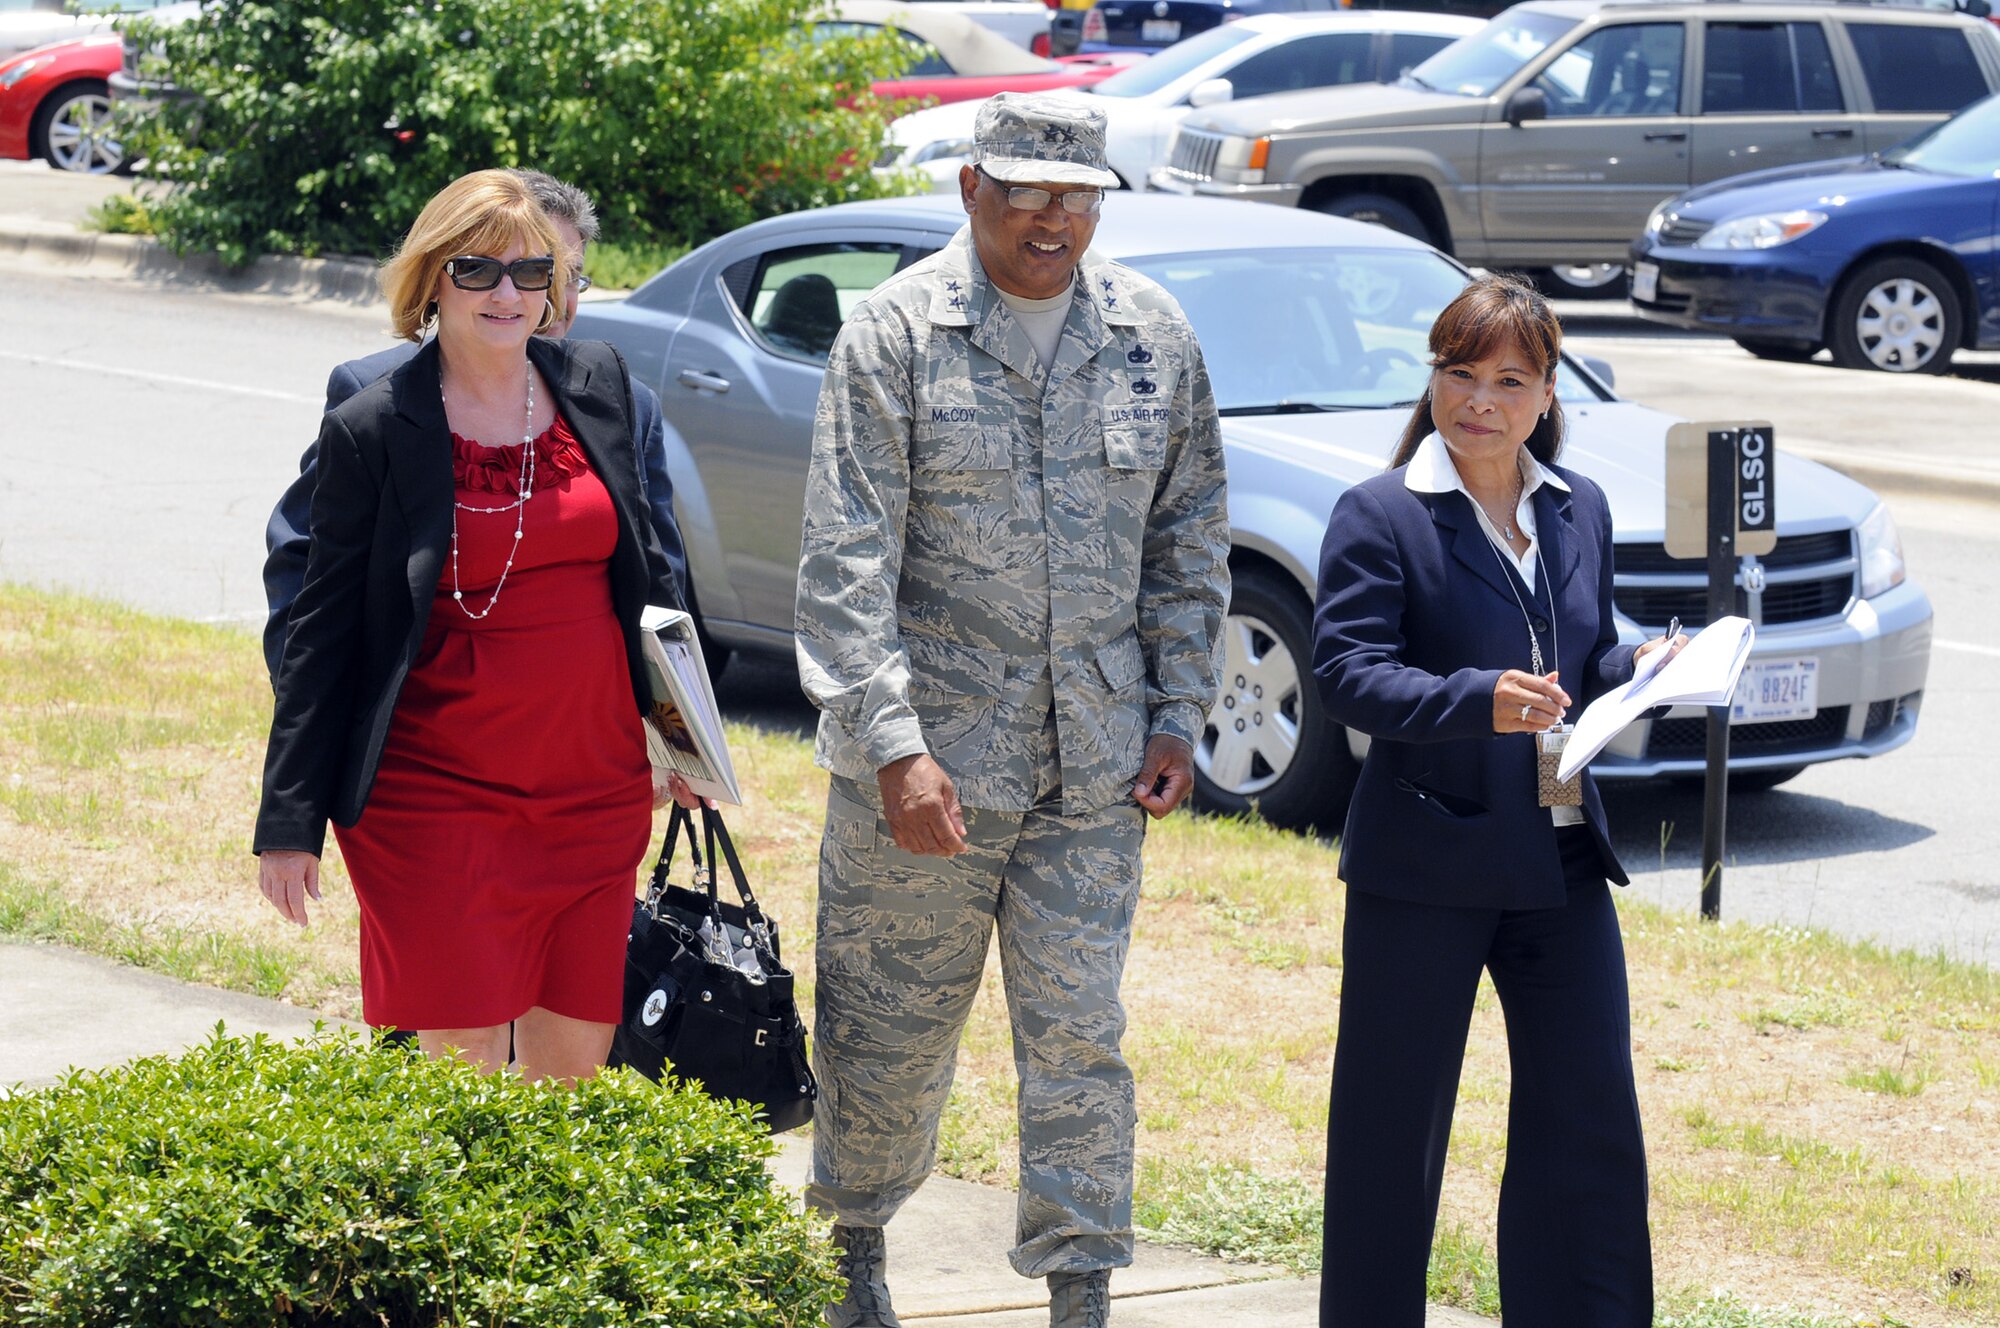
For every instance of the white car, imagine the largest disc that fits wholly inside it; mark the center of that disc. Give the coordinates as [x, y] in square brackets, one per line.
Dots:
[25, 24]
[1252, 57]
[1019, 21]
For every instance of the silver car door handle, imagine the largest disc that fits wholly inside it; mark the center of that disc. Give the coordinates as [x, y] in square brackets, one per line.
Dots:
[1668, 136]
[703, 382]
[1833, 133]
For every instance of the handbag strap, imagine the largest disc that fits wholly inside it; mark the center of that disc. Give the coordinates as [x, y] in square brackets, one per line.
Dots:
[716, 832]
[680, 820]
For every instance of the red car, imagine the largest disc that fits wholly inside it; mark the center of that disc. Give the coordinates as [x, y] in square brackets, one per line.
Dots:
[54, 104]
[957, 60]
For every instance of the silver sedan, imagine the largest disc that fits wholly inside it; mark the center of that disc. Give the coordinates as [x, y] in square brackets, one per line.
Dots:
[1314, 329]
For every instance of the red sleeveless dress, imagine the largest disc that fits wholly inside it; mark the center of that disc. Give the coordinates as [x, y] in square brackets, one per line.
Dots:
[496, 857]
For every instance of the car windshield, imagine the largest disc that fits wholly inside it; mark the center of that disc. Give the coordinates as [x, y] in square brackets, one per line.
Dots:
[1317, 329]
[1968, 144]
[1154, 73]
[1474, 65]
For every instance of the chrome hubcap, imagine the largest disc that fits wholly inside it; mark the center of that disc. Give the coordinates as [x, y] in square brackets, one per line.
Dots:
[1900, 325]
[1253, 734]
[80, 136]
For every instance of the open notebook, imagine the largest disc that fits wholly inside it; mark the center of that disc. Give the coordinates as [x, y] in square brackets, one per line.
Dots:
[1704, 673]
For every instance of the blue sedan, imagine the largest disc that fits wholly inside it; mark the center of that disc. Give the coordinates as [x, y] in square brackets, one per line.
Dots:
[1890, 261]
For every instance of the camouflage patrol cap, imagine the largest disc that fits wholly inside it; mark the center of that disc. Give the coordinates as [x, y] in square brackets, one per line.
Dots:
[1031, 138]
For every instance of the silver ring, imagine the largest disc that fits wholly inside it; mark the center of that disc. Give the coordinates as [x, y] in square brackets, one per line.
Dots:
[1525, 709]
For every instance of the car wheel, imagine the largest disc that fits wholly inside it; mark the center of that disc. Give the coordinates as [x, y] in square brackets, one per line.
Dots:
[1756, 781]
[1269, 747]
[1583, 281]
[1379, 210]
[1899, 315]
[71, 130]
[1791, 352]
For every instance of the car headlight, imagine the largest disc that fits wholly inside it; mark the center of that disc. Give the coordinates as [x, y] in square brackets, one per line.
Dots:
[1881, 553]
[939, 149]
[1658, 216]
[14, 73]
[1762, 231]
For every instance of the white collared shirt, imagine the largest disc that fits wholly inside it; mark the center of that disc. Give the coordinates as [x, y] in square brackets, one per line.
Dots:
[1431, 470]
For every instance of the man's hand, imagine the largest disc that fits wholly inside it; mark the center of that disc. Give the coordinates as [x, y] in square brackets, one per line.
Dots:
[1167, 776]
[287, 878]
[922, 807]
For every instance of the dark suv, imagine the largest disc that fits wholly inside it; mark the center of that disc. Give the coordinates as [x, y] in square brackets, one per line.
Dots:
[1543, 140]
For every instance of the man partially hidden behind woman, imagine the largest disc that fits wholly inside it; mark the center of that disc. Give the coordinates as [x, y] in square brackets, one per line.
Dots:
[460, 689]
[1464, 609]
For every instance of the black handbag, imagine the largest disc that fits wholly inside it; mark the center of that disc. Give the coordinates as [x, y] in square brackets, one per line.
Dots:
[706, 997]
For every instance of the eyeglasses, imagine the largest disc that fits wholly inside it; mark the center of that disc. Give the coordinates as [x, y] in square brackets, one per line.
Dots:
[1028, 198]
[580, 282]
[473, 273]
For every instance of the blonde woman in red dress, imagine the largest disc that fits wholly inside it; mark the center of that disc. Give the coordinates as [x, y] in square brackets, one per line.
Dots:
[461, 691]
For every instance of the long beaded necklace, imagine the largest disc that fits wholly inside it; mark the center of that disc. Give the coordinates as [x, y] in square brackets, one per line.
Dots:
[519, 507]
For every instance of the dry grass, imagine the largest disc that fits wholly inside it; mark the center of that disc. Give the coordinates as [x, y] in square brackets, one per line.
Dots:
[1823, 1117]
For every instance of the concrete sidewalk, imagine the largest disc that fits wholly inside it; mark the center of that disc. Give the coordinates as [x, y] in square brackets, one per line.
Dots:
[948, 1249]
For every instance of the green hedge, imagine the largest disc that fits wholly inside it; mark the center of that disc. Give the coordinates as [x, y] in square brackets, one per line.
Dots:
[322, 128]
[248, 1183]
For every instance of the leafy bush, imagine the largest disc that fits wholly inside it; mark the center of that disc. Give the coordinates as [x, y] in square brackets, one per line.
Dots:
[323, 127]
[330, 1184]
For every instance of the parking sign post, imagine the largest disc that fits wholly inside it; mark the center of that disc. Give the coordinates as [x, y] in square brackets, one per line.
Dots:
[1719, 506]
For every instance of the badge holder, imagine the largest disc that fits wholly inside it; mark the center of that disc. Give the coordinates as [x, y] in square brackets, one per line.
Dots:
[1554, 792]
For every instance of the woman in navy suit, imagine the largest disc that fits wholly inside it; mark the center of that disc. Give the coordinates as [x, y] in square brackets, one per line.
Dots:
[1464, 609]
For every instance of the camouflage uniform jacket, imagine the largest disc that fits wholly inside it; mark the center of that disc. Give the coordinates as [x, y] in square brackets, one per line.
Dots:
[978, 534]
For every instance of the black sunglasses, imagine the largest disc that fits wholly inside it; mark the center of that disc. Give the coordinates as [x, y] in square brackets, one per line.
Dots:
[473, 273]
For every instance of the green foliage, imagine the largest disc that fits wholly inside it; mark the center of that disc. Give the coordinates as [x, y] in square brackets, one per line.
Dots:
[334, 1185]
[1462, 1272]
[615, 265]
[324, 127]
[121, 214]
[1237, 1214]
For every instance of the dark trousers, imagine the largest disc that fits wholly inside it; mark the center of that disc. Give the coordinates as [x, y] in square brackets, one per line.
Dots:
[1574, 1247]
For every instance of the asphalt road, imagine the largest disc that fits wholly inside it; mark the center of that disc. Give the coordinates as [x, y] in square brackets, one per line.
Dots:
[146, 433]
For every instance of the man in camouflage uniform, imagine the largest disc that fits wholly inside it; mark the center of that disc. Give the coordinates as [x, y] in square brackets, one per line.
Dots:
[1013, 582]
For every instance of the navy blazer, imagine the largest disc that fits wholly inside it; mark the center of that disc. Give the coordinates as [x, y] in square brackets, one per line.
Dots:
[286, 537]
[381, 531]
[1415, 622]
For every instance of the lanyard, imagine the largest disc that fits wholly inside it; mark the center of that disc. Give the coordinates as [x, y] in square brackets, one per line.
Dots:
[1527, 619]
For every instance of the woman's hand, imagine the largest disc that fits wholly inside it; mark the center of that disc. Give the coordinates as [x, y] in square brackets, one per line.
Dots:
[1672, 645]
[1523, 703]
[670, 787]
[287, 877]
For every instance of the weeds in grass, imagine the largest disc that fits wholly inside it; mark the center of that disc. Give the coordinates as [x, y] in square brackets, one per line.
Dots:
[1894, 1080]
[1235, 1213]
[1463, 1271]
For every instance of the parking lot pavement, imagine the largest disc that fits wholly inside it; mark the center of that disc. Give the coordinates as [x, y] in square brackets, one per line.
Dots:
[1895, 433]
[30, 191]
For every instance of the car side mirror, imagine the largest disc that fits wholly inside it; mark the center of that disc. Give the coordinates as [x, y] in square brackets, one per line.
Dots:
[1602, 369]
[1527, 104]
[1210, 91]
[1975, 8]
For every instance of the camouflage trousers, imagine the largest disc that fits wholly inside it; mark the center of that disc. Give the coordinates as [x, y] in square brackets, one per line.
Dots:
[902, 944]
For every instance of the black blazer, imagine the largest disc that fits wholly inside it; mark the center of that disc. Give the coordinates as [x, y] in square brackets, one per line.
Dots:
[381, 531]
[1414, 624]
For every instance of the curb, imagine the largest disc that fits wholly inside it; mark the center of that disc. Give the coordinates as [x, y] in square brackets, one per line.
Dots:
[140, 258]
[1907, 477]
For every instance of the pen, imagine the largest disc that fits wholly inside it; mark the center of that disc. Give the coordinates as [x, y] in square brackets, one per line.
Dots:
[1673, 630]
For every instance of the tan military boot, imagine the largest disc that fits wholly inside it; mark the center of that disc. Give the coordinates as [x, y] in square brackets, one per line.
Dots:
[1080, 1300]
[864, 1262]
